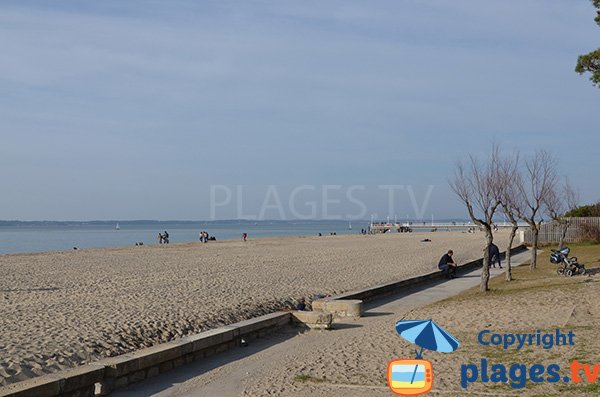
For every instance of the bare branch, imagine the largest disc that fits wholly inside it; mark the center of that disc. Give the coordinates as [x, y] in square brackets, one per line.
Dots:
[511, 179]
[537, 188]
[571, 195]
[479, 186]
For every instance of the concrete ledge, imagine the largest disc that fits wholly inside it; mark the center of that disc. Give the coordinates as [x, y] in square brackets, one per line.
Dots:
[44, 386]
[82, 378]
[314, 319]
[134, 367]
[211, 338]
[104, 376]
[340, 308]
[372, 293]
[78, 381]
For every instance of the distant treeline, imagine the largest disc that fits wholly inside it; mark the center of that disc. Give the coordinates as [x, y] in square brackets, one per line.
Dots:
[6, 223]
[71, 223]
[98, 223]
[93, 223]
[585, 211]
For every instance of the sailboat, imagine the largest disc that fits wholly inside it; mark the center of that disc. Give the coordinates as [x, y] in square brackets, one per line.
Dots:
[117, 227]
[349, 225]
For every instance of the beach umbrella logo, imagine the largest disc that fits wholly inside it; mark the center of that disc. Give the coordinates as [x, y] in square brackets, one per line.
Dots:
[411, 377]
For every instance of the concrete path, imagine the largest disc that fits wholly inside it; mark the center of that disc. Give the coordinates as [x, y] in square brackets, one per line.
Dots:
[228, 374]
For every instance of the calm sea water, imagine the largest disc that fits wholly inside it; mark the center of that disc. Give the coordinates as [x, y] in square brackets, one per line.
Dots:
[57, 237]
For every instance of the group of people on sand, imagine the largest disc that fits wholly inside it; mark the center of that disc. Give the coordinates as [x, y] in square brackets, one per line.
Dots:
[448, 266]
[204, 237]
[163, 238]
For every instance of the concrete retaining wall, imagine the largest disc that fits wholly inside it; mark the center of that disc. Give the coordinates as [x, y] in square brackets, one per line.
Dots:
[372, 293]
[340, 309]
[104, 376]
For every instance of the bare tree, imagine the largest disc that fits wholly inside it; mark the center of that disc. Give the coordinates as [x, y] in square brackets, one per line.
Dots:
[572, 200]
[537, 183]
[477, 186]
[558, 202]
[511, 202]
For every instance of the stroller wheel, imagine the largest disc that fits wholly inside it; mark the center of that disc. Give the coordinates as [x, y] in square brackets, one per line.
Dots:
[560, 271]
[568, 272]
[582, 270]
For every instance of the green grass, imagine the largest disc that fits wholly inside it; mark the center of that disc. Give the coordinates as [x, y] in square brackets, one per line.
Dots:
[543, 278]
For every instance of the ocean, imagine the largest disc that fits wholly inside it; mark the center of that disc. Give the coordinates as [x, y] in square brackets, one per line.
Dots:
[25, 237]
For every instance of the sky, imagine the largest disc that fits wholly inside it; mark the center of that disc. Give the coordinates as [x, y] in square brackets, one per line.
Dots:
[283, 109]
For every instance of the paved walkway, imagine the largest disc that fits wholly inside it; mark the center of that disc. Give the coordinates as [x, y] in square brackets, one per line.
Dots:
[227, 374]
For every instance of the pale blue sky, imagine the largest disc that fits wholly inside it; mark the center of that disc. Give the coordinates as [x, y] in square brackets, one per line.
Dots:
[133, 109]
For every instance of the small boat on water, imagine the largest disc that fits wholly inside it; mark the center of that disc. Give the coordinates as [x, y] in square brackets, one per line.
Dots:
[117, 227]
[349, 225]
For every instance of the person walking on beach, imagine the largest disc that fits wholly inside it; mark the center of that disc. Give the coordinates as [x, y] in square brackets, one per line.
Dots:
[447, 265]
[244, 236]
[495, 256]
[160, 238]
[166, 237]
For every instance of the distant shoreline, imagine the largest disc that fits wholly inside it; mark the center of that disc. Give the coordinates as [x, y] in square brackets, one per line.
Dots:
[218, 240]
[58, 236]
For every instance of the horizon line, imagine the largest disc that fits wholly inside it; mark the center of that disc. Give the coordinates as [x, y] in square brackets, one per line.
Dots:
[219, 220]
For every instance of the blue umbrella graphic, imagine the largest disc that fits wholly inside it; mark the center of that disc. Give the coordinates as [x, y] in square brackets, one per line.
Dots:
[427, 335]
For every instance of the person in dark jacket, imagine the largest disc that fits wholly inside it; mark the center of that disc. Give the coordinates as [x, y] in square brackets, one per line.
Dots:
[447, 265]
[495, 256]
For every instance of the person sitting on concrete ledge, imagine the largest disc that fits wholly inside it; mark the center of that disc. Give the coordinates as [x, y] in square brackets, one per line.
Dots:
[301, 304]
[447, 265]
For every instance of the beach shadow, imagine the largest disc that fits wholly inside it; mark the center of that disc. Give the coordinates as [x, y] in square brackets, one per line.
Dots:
[376, 314]
[592, 272]
[48, 289]
[395, 295]
[340, 326]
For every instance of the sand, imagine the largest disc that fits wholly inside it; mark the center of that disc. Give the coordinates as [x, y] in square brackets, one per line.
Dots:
[351, 360]
[63, 309]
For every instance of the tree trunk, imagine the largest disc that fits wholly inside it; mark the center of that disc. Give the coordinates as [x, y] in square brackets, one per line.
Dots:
[511, 239]
[485, 271]
[534, 248]
[563, 233]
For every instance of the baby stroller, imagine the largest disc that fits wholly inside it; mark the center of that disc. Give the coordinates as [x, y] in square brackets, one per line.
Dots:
[569, 266]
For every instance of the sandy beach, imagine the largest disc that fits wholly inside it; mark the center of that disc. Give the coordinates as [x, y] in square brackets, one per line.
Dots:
[351, 360]
[62, 309]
